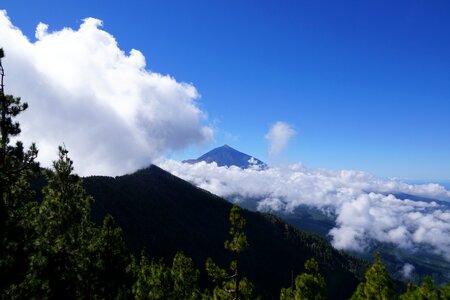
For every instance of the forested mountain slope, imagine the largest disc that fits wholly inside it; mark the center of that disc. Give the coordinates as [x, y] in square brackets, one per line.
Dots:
[165, 214]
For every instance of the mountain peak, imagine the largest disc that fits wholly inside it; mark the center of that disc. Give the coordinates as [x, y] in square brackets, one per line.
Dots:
[228, 156]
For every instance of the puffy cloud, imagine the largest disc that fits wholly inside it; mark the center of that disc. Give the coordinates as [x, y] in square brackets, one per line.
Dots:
[365, 208]
[278, 137]
[111, 112]
[407, 270]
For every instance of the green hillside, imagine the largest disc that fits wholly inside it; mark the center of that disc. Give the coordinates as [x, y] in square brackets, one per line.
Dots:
[165, 214]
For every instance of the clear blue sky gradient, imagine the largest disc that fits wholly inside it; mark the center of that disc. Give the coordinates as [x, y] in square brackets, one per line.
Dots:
[366, 84]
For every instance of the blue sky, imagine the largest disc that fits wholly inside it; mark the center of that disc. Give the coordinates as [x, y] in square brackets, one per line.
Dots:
[365, 84]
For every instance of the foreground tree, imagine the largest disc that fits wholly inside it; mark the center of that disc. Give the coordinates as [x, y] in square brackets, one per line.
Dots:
[17, 166]
[232, 286]
[426, 291]
[308, 286]
[444, 292]
[155, 280]
[105, 264]
[377, 285]
[63, 230]
[70, 257]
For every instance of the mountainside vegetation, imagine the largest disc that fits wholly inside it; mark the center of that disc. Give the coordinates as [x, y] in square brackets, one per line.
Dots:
[165, 214]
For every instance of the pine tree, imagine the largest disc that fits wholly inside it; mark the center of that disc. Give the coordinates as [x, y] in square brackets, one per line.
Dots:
[15, 162]
[151, 279]
[411, 293]
[185, 278]
[428, 289]
[104, 264]
[17, 166]
[232, 286]
[154, 280]
[70, 257]
[63, 231]
[444, 292]
[309, 285]
[377, 285]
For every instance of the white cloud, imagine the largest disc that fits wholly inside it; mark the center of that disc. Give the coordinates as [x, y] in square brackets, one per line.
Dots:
[364, 207]
[113, 115]
[407, 270]
[278, 137]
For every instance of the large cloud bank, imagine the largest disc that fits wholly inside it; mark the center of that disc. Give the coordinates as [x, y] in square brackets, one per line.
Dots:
[364, 207]
[112, 114]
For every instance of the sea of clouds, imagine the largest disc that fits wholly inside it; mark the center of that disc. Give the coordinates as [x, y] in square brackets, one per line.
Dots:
[110, 111]
[365, 208]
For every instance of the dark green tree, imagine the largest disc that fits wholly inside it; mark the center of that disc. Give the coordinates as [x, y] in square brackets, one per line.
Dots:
[15, 162]
[105, 264]
[151, 279]
[377, 285]
[411, 293]
[444, 292]
[427, 291]
[155, 280]
[63, 231]
[17, 166]
[184, 277]
[309, 285]
[70, 257]
[232, 286]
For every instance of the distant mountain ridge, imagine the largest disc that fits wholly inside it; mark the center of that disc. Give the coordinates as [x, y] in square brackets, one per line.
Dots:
[228, 156]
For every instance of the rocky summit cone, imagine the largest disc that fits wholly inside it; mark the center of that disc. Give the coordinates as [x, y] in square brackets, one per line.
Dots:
[228, 156]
